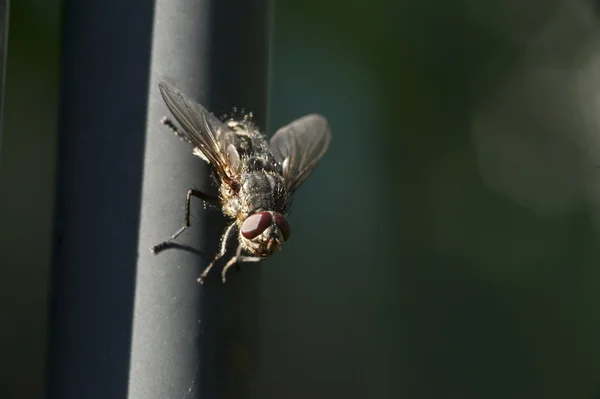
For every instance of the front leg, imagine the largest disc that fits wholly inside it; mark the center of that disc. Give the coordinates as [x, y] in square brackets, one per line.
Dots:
[238, 259]
[186, 222]
[229, 231]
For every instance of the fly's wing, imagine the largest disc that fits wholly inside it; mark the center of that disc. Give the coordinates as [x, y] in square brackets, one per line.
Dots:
[299, 147]
[205, 131]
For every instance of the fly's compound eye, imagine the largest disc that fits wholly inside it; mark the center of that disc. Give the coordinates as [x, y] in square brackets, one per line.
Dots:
[283, 225]
[256, 224]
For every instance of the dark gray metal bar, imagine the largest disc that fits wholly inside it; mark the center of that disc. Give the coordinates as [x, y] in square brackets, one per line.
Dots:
[104, 94]
[190, 339]
[4, 18]
[124, 322]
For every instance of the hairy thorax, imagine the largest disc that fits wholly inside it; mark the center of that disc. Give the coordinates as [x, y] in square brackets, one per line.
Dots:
[261, 189]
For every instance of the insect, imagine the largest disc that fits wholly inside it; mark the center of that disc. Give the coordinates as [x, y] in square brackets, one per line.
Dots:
[257, 178]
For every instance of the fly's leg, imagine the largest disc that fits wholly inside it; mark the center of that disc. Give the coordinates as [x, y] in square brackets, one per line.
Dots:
[186, 223]
[238, 253]
[229, 231]
[238, 259]
[169, 123]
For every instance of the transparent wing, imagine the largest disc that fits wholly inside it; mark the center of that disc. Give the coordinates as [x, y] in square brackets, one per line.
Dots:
[299, 147]
[204, 130]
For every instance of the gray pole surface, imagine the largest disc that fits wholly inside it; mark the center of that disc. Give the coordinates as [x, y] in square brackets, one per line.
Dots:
[126, 323]
[216, 53]
[4, 19]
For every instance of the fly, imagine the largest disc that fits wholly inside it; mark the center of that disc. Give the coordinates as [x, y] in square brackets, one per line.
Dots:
[257, 178]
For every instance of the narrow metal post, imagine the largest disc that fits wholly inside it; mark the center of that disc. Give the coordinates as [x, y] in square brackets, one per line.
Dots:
[187, 338]
[4, 18]
[126, 323]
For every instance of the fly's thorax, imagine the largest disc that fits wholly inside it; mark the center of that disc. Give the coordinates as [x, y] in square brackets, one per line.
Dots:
[261, 205]
[261, 189]
[259, 185]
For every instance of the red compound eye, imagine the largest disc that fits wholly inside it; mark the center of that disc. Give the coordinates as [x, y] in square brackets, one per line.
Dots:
[284, 226]
[255, 224]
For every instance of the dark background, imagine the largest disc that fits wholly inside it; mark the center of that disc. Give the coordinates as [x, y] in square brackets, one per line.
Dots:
[447, 246]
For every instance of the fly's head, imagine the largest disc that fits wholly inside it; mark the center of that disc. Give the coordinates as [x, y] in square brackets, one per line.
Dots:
[263, 233]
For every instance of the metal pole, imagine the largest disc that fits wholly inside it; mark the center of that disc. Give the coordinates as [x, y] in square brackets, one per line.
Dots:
[124, 322]
[203, 339]
[4, 18]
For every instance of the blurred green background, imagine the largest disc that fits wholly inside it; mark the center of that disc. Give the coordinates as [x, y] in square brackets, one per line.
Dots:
[447, 246]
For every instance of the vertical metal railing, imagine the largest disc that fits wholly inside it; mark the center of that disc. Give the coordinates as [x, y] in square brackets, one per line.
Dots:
[4, 18]
[215, 51]
[125, 323]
